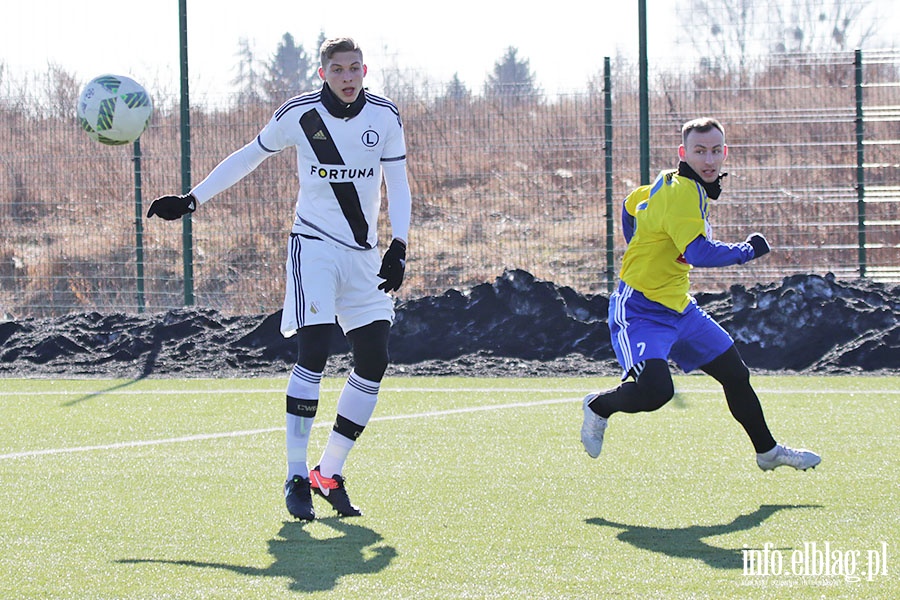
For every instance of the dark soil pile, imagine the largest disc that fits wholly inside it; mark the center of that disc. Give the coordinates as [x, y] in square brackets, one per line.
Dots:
[516, 325]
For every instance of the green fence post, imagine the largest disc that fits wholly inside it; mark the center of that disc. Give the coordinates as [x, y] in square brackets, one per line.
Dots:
[138, 225]
[187, 236]
[860, 166]
[644, 92]
[608, 149]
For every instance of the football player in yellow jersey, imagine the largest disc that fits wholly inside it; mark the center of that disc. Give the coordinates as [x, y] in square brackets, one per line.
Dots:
[652, 316]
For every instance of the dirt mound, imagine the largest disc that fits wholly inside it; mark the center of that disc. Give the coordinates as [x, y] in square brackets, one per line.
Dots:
[516, 325]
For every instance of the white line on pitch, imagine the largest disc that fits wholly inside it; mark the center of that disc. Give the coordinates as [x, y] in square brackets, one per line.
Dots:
[135, 444]
[435, 390]
[207, 392]
[249, 432]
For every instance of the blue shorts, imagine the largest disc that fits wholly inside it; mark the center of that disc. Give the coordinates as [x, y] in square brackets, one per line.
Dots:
[641, 329]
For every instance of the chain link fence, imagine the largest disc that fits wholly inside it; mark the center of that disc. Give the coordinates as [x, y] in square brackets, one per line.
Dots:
[497, 184]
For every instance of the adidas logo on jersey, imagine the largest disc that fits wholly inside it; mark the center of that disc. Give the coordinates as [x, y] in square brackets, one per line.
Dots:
[319, 135]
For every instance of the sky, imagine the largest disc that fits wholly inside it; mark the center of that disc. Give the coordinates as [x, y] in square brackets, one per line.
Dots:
[564, 42]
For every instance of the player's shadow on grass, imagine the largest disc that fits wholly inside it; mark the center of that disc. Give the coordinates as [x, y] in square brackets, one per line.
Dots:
[310, 564]
[109, 390]
[149, 364]
[687, 542]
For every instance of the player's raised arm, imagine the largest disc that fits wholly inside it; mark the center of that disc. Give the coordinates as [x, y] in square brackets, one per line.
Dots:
[235, 167]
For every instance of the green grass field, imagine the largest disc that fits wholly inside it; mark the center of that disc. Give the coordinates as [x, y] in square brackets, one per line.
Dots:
[471, 488]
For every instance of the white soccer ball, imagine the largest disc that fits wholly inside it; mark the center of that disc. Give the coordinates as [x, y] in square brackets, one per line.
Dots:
[114, 110]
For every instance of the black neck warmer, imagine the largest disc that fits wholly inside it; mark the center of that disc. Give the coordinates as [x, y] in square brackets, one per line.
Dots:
[713, 189]
[339, 109]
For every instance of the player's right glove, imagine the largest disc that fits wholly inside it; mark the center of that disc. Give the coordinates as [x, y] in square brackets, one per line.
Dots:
[759, 243]
[172, 207]
[393, 266]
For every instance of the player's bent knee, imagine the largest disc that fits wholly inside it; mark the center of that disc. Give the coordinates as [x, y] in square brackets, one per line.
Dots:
[371, 368]
[370, 350]
[655, 384]
[737, 375]
[313, 347]
[729, 369]
[657, 398]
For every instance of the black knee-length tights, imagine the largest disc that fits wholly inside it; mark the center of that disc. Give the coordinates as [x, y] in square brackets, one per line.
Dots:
[653, 387]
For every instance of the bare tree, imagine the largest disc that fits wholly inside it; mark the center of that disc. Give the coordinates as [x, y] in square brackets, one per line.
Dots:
[728, 32]
[825, 25]
[248, 81]
[317, 59]
[62, 91]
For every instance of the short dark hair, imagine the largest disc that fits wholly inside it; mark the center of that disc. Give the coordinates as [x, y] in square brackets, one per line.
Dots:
[701, 125]
[334, 45]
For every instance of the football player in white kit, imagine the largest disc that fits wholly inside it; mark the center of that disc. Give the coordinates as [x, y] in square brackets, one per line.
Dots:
[346, 139]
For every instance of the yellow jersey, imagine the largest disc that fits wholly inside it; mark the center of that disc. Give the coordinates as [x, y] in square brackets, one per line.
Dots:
[668, 215]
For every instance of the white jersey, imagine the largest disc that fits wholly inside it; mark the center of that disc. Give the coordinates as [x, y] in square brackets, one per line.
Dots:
[339, 162]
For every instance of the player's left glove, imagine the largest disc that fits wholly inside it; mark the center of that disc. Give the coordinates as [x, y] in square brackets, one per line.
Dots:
[759, 243]
[172, 207]
[393, 266]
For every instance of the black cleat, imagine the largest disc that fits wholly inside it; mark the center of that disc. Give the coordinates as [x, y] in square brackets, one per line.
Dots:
[333, 490]
[298, 499]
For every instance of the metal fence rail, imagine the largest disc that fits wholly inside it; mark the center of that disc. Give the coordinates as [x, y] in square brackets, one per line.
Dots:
[497, 184]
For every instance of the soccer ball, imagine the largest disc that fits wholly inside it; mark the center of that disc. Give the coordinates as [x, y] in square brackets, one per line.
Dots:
[114, 110]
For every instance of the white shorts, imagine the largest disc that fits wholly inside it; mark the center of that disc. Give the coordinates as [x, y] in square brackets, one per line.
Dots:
[327, 283]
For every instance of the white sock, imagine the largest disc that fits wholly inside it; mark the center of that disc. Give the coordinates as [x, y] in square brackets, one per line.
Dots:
[355, 407]
[303, 385]
[769, 453]
[335, 454]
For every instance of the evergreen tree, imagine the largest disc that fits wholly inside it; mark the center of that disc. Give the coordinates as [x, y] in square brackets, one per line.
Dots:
[456, 90]
[511, 78]
[290, 70]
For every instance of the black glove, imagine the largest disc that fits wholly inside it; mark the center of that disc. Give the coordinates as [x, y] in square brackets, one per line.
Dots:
[759, 243]
[393, 266]
[172, 207]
